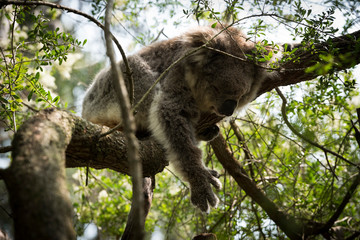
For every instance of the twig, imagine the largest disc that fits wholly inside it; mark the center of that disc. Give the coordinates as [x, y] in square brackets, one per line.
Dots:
[5, 149]
[258, 221]
[111, 130]
[30, 107]
[343, 203]
[129, 127]
[158, 36]
[13, 64]
[248, 156]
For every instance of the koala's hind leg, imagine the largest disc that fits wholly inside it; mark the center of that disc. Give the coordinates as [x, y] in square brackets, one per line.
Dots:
[171, 122]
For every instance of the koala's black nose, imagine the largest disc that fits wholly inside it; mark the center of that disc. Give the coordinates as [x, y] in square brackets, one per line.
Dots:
[228, 107]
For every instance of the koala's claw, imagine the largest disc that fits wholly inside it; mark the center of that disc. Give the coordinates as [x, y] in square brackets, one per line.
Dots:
[214, 173]
[202, 195]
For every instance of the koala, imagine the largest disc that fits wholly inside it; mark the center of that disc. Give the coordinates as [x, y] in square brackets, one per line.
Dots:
[217, 79]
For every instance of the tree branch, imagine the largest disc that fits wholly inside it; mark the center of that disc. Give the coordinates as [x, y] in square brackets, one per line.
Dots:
[36, 177]
[36, 181]
[286, 222]
[293, 72]
[342, 205]
[5, 149]
[128, 121]
[109, 152]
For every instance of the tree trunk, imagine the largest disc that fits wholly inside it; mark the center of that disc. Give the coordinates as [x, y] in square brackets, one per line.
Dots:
[38, 195]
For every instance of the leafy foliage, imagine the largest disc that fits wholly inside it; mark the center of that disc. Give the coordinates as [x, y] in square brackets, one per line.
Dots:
[32, 46]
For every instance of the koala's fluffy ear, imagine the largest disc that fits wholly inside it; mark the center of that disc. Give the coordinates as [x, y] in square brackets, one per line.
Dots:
[196, 39]
[200, 58]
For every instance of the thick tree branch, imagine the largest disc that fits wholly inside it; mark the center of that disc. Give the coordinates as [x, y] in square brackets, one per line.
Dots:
[36, 177]
[109, 152]
[36, 180]
[292, 72]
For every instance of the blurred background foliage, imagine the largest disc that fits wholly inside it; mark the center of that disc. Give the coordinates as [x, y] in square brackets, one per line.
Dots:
[48, 58]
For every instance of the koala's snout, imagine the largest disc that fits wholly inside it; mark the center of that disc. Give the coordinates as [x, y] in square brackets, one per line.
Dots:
[228, 107]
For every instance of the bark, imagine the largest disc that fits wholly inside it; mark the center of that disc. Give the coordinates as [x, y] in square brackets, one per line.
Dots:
[42, 148]
[86, 149]
[38, 195]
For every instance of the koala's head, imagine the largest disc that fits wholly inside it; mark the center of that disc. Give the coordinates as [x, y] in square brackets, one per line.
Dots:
[219, 82]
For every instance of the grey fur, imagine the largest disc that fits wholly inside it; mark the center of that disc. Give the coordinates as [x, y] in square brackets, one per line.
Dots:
[206, 81]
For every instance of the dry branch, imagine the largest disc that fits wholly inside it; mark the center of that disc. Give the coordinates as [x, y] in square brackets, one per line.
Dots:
[128, 121]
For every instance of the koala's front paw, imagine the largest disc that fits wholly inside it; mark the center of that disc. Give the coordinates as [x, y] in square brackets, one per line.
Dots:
[202, 194]
[209, 133]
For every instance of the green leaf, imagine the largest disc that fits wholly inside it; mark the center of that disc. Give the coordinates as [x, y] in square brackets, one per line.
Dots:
[48, 95]
[30, 95]
[37, 76]
[8, 16]
[3, 100]
[56, 99]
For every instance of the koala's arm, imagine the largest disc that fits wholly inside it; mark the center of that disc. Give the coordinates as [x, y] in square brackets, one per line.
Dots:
[172, 117]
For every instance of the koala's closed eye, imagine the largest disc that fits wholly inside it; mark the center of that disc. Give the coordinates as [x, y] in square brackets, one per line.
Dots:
[215, 89]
